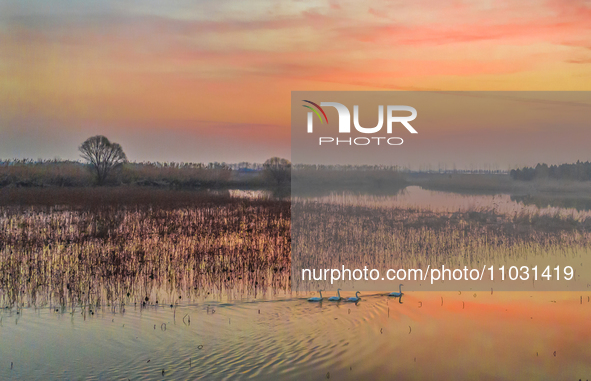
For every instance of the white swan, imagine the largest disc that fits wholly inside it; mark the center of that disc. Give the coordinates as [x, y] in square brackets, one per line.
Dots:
[315, 298]
[336, 298]
[397, 294]
[355, 298]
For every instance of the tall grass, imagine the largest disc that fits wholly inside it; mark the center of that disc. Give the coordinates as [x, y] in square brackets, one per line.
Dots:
[26, 173]
[44, 173]
[87, 247]
[328, 235]
[142, 254]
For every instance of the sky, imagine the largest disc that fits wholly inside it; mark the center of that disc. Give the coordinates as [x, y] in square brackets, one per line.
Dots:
[204, 81]
[492, 130]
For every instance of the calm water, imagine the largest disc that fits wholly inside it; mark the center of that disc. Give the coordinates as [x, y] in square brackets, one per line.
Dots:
[428, 336]
[416, 197]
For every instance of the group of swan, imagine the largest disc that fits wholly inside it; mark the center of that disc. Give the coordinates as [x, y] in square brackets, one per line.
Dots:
[337, 298]
[355, 298]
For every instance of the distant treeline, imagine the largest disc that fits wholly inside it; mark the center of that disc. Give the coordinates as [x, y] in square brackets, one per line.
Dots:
[40, 173]
[274, 173]
[158, 164]
[579, 171]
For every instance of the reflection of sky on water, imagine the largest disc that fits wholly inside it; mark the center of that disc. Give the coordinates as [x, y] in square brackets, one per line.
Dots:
[437, 335]
[429, 336]
[416, 197]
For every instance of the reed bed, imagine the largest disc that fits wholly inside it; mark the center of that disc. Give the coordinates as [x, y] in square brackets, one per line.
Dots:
[330, 235]
[142, 254]
[115, 247]
[94, 198]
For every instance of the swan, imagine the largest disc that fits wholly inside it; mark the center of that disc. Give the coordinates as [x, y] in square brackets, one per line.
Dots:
[355, 298]
[336, 298]
[397, 294]
[315, 298]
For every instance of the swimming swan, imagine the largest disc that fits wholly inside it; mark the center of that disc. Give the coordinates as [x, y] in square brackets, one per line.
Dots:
[355, 298]
[336, 298]
[397, 294]
[315, 298]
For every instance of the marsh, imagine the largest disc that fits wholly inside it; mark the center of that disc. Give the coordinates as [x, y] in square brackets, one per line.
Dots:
[188, 285]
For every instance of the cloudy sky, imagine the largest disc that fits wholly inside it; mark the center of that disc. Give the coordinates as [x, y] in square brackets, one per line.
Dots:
[182, 80]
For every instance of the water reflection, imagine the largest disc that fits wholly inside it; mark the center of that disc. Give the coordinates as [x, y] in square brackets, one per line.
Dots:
[423, 199]
[235, 322]
[421, 229]
[555, 201]
[419, 336]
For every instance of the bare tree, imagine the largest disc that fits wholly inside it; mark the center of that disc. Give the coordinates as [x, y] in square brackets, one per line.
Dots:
[277, 170]
[102, 155]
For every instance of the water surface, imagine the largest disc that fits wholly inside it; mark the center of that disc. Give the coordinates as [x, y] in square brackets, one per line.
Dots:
[240, 333]
[427, 336]
[419, 198]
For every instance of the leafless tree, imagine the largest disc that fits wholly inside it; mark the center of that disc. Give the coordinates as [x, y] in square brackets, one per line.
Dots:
[277, 170]
[102, 155]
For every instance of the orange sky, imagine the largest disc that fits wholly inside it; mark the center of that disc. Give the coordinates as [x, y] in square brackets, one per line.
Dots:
[211, 81]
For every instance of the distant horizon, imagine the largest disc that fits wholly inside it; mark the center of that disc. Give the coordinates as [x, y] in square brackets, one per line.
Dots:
[419, 168]
[211, 81]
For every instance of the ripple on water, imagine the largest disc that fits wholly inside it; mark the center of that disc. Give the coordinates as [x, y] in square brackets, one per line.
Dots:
[295, 339]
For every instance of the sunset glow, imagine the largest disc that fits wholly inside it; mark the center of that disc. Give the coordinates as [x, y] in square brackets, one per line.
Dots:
[207, 81]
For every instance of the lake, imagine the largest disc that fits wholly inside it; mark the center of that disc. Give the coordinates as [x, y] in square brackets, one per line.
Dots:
[427, 336]
[419, 198]
[131, 321]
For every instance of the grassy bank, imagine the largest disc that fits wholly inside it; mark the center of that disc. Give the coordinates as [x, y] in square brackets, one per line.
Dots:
[110, 196]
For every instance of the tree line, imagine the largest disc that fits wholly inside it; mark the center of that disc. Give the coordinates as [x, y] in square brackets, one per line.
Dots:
[105, 163]
[579, 171]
